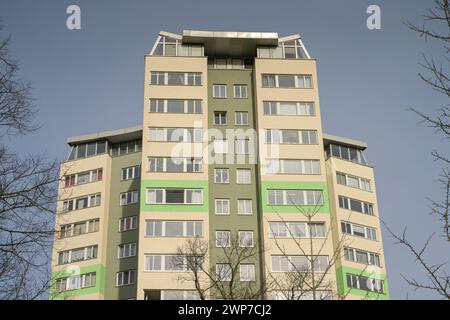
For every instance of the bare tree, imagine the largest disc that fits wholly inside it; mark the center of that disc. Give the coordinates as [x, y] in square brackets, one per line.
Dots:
[436, 77]
[213, 282]
[28, 188]
[310, 278]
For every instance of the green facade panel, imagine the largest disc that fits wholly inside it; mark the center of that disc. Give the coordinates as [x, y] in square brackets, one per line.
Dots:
[344, 289]
[72, 270]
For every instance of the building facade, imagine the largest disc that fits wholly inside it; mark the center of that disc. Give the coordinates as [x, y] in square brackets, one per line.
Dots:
[228, 183]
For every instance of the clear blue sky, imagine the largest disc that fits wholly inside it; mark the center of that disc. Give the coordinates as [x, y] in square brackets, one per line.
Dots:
[92, 80]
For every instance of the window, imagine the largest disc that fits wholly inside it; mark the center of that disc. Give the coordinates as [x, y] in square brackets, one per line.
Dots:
[175, 106]
[220, 91]
[166, 46]
[358, 230]
[223, 272]
[295, 197]
[179, 295]
[175, 78]
[365, 283]
[124, 278]
[299, 263]
[353, 181]
[87, 150]
[81, 203]
[221, 176]
[75, 282]
[83, 177]
[222, 206]
[280, 108]
[240, 91]
[220, 118]
[129, 197]
[171, 263]
[79, 254]
[242, 146]
[79, 228]
[247, 272]
[362, 256]
[128, 223]
[283, 229]
[244, 206]
[301, 295]
[190, 135]
[123, 148]
[223, 239]
[292, 166]
[346, 153]
[285, 50]
[355, 205]
[243, 176]
[131, 172]
[241, 118]
[174, 196]
[286, 81]
[220, 146]
[165, 164]
[277, 136]
[245, 239]
[126, 250]
[169, 228]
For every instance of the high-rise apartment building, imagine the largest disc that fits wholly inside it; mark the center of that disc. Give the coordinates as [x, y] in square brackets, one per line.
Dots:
[230, 162]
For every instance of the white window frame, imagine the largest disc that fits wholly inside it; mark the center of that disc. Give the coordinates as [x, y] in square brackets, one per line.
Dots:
[218, 238]
[221, 172]
[130, 274]
[239, 117]
[240, 91]
[122, 249]
[133, 223]
[242, 234]
[164, 196]
[124, 195]
[222, 91]
[222, 200]
[246, 201]
[249, 270]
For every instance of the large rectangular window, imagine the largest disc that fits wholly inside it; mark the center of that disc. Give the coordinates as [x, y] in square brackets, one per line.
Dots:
[293, 166]
[128, 223]
[175, 135]
[75, 282]
[355, 205]
[81, 203]
[295, 229]
[245, 239]
[241, 118]
[244, 206]
[174, 196]
[296, 263]
[220, 118]
[79, 228]
[365, 283]
[247, 272]
[220, 146]
[221, 175]
[170, 263]
[124, 278]
[284, 108]
[173, 228]
[279, 136]
[76, 255]
[346, 153]
[242, 146]
[124, 148]
[83, 177]
[166, 164]
[358, 230]
[85, 150]
[361, 256]
[175, 106]
[130, 173]
[287, 81]
[295, 197]
[223, 238]
[162, 78]
[353, 181]
[126, 250]
[129, 197]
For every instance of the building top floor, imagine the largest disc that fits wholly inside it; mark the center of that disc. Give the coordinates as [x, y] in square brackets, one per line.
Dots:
[197, 43]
